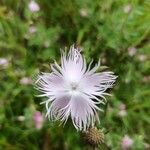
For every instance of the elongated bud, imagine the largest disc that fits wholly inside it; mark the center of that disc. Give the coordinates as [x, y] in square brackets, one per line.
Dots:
[94, 136]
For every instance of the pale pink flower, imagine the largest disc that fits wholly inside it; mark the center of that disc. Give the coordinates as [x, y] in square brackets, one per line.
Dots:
[147, 146]
[21, 118]
[25, 81]
[132, 51]
[4, 63]
[122, 110]
[127, 8]
[126, 143]
[142, 57]
[122, 113]
[38, 119]
[146, 79]
[33, 6]
[122, 106]
[32, 29]
[83, 12]
[74, 90]
[46, 44]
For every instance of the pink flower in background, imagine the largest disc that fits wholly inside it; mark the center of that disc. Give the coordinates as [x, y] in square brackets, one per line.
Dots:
[46, 44]
[127, 8]
[146, 146]
[21, 118]
[122, 106]
[74, 90]
[122, 110]
[142, 57]
[4, 63]
[126, 143]
[146, 79]
[33, 6]
[83, 12]
[132, 51]
[122, 113]
[32, 29]
[25, 81]
[38, 119]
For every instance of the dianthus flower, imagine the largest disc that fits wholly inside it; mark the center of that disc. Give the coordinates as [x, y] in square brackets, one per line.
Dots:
[74, 90]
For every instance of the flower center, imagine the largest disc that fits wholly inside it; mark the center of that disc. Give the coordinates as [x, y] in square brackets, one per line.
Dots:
[74, 86]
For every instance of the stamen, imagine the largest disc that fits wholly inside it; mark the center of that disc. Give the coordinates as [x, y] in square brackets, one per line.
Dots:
[74, 86]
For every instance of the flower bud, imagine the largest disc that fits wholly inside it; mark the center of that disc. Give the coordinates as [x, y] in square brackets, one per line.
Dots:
[94, 136]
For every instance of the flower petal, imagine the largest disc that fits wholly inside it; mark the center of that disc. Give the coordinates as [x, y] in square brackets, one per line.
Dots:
[73, 65]
[97, 83]
[50, 84]
[58, 107]
[83, 112]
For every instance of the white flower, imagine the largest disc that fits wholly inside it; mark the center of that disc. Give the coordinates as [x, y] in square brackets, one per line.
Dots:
[74, 90]
[33, 6]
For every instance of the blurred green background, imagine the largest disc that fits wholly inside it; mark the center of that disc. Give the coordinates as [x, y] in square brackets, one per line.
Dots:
[31, 35]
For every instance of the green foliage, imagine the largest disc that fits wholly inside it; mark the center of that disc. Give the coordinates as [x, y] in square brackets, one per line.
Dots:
[117, 31]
